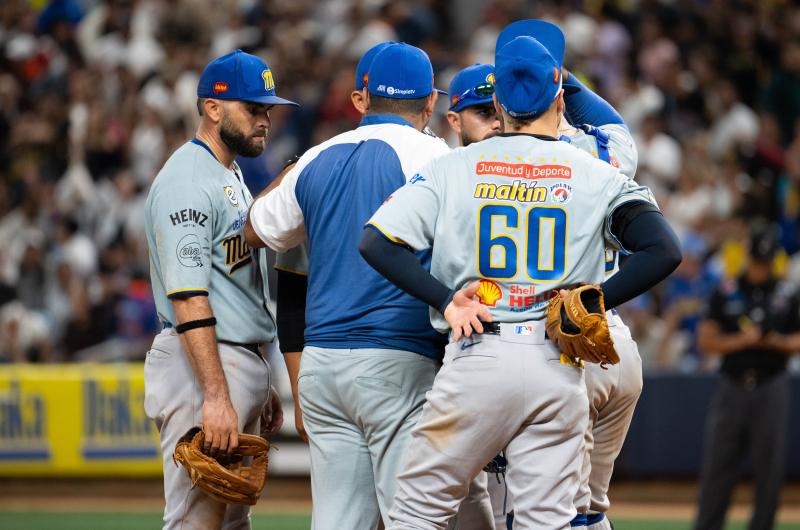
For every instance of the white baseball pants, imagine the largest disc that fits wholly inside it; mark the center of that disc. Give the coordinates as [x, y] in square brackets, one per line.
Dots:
[174, 400]
[490, 395]
[359, 406]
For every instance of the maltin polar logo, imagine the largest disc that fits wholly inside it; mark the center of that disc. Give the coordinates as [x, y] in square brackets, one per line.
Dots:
[561, 193]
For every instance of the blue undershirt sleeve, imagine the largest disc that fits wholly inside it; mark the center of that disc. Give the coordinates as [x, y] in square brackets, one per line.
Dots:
[399, 265]
[656, 253]
[585, 106]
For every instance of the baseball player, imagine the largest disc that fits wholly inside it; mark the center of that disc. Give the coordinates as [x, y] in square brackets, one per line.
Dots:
[292, 265]
[205, 366]
[472, 115]
[613, 391]
[515, 216]
[473, 118]
[292, 269]
[369, 353]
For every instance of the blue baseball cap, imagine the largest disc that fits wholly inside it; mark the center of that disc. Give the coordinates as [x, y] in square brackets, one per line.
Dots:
[401, 71]
[463, 86]
[527, 78]
[362, 70]
[549, 35]
[242, 76]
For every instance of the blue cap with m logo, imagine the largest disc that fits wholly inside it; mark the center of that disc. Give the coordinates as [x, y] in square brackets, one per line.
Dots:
[241, 76]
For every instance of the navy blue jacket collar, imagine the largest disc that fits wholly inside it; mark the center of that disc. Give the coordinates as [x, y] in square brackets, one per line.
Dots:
[380, 119]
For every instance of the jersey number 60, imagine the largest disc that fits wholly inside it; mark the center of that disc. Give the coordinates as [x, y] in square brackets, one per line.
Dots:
[546, 243]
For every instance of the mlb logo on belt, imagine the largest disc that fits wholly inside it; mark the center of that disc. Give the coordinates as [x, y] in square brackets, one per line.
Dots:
[523, 330]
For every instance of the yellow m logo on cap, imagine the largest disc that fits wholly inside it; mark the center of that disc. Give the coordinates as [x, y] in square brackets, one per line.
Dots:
[269, 84]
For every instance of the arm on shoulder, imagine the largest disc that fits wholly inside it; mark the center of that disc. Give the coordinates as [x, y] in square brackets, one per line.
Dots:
[289, 225]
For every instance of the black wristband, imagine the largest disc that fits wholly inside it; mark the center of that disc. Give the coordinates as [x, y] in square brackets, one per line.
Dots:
[194, 324]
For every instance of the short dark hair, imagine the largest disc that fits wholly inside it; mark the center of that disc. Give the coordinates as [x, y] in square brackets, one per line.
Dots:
[400, 107]
[200, 103]
[519, 123]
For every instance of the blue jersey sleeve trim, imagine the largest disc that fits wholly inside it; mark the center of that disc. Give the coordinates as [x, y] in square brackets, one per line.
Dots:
[193, 290]
[391, 239]
[382, 119]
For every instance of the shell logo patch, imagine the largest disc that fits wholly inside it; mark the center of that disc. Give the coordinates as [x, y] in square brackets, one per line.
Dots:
[490, 78]
[489, 293]
[561, 193]
[220, 87]
[555, 73]
[269, 84]
[366, 79]
[454, 100]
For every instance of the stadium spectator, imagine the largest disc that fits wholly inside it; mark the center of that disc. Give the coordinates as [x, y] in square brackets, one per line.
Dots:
[95, 96]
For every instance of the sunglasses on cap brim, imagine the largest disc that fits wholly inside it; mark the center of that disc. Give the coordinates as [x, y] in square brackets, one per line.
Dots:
[480, 91]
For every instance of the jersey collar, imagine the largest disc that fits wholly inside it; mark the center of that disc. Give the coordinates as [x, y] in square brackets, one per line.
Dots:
[236, 170]
[544, 137]
[382, 119]
[202, 144]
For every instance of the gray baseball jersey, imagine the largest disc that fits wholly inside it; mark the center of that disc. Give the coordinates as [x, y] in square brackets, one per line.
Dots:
[621, 146]
[622, 154]
[294, 260]
[194, 219]
[522, 214]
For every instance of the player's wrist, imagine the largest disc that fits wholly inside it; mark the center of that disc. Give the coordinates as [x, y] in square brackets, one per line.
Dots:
[218, 397]
[446, 302]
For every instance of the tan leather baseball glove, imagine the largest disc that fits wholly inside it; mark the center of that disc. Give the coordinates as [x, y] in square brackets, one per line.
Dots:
[224, 478]
[577, 324]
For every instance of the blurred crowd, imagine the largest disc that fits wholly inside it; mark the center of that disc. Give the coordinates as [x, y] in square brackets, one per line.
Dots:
[96, 95]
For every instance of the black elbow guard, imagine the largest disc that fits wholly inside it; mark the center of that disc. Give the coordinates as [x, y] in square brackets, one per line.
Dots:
[291, 308]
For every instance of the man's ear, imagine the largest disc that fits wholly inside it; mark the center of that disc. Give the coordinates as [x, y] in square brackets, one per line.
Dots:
[454, 118]
[499, 111]
[359, 102]
[213, 108]
[497, 108]
[561, 107]
[431, 104]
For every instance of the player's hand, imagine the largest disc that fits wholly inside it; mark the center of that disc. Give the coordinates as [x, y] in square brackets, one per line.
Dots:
[298, 421]
[221, 426]
[272, 414]
[751, 335]
[465, 311]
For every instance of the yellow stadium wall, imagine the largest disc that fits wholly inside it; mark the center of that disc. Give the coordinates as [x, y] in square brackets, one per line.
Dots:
[76, 420]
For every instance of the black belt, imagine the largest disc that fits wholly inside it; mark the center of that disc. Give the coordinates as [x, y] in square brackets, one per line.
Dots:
[491, 328]
[253, 346]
